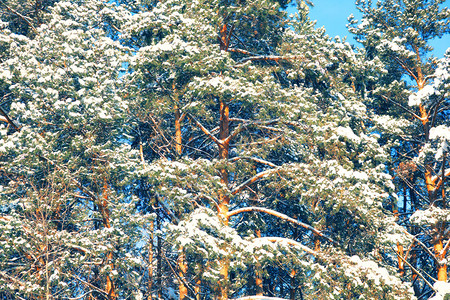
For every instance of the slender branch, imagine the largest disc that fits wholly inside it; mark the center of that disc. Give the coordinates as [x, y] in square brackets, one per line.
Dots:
[404, 67]
[446, 247]
[12, 279]
[168, 211]
[265, 142]
[115, 27]
[252, 180]
[269, 58]
[202, 128]
[258, 160]
[415, 270]
[156, 127]
[24, 18]
[90, 285]
[436, 110]
[281, 216]
[442, 179]
[235, 132]
[229, 37]
[423, 246]
[7, 119]
[245, 52]
[402, 107]
[243, 126]
[210, 199]
[79, 248]
[81, 297]
[181, 280]
[76, 182]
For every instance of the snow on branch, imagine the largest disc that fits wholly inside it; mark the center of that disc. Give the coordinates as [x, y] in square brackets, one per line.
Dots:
[289, 242]
[258, 160]
[259, 298]
[281, 216]
[274, 58]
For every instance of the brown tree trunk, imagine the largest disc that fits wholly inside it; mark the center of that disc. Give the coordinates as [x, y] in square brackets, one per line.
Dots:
[178, 148]
[293, 288]
[224, 199]
[150, 263]
[198, 284]
[442, 268]
[182, 270]
[158, 255]
[104, 211]
[401, 264]
[258, 272]
[429, 180]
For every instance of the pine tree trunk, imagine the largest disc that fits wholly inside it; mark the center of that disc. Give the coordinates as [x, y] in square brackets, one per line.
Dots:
[158, 255]
[401, 264]
[429, 181]
[293, 289]
[178, 147]
[198, 284]
[150, 263]
[104, 212]
[224, 200]
[442, 268]
[182, 270]
[258, 272]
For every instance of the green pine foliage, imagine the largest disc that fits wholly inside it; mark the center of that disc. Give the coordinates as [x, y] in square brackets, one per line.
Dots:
[197, 149]
[408, 99]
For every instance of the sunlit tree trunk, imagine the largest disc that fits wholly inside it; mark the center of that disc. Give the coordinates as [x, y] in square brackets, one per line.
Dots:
[258, 272]
[104, 211]
[429, 180]
[293, 288]
[158, 255]
[224, 199]
[197, 288]
[150, 262]
[182, 270]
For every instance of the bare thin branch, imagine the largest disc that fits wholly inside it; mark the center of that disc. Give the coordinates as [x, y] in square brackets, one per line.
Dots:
[402, 107]
[90, 285]
[8, 120]
[281, 216]
[202, 128]
[24, 18]
[252, 180]
[423, 246]
[416, 271]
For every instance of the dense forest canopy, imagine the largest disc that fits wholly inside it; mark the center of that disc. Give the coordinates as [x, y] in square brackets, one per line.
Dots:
[221, 149]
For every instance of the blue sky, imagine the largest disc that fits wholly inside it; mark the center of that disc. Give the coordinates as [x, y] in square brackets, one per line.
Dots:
[333, 14]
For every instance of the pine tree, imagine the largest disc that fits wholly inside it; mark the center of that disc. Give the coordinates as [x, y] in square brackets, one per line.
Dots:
[190, 149]
[409, 99]
[68, 222]
[254, 118]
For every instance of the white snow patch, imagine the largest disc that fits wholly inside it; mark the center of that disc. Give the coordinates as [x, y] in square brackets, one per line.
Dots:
[442, 289]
